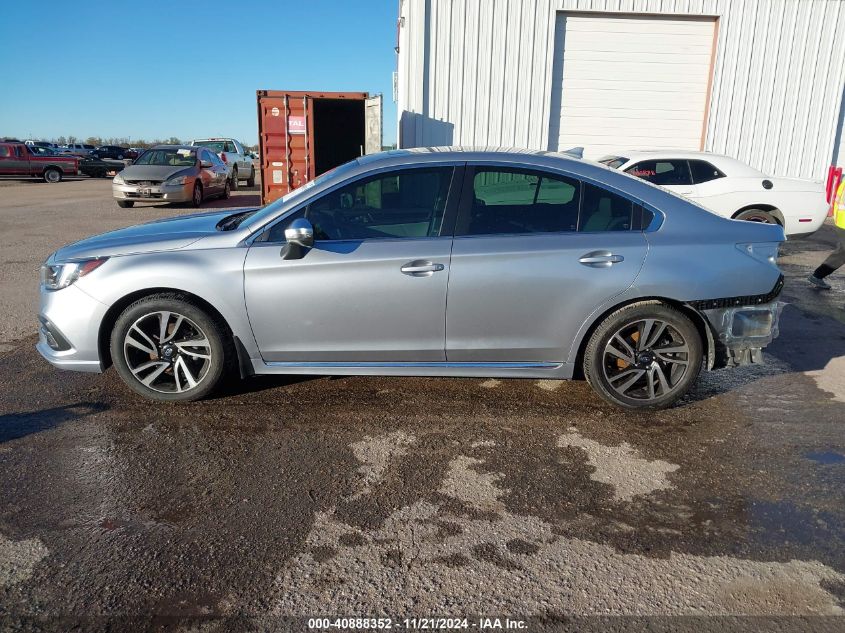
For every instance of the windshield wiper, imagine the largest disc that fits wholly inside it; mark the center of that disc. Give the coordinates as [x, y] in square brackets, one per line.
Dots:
[234, 221]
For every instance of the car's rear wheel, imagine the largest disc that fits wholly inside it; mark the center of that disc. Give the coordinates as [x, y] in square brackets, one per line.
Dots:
[250, 182]
[51, 174]
[643, 356]
[167, 348]
[126, 204]
[235, 178]
[196, 197]
[227, 191]
[757, 215]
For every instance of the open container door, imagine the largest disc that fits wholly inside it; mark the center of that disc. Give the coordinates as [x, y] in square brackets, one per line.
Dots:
[373, 124]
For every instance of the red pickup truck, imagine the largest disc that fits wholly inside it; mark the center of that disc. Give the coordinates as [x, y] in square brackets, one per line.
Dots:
[17, 161]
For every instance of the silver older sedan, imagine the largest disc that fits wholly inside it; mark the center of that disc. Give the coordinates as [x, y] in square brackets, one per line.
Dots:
[172, 173]
[438, 262]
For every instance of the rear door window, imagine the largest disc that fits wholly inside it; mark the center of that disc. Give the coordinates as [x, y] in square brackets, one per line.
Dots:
[702, 171]
[513, 201]
[603, 210]
[662, 172]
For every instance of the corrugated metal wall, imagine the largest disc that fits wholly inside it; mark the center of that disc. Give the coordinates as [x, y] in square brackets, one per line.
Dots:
[479, 72]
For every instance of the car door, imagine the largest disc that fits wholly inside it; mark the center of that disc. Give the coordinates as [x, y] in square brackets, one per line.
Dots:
[208, 175]
[243, 161]
[10, 164]
[534, 254]
[373, 287]
[220, 170]
[671, 173]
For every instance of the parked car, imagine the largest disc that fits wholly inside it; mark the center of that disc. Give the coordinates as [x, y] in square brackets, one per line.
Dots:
[234, 155]
[79, 149]
[172, 173]
[46, 144]
[42, 151]
[111, 151]
[427, 263]
[730, 188]
[133, 152]
[100, 168]
[17, 160]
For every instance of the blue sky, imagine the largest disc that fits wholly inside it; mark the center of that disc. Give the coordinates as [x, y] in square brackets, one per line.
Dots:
[155, 69]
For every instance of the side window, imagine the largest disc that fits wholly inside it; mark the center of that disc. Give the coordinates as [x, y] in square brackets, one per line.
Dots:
[662, 172]
[408, 203]
[702, 171]
[4, 151]
[229, 147]
[602, 210]
[512, 201]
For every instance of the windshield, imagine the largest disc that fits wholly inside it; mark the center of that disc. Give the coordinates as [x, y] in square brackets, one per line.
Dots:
[214, 146]
[272, 209]
[613, 161]
[168, 157]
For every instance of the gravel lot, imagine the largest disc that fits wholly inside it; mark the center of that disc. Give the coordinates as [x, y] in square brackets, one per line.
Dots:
[403, 497]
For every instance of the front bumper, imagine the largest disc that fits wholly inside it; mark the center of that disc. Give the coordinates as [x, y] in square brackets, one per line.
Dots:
[154, 193]
[69, 333]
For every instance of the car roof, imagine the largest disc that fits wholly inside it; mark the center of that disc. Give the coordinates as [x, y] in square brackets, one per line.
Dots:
[166, 146]
[725, 163]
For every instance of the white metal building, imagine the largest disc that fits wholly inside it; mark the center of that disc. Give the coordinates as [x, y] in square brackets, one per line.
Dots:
[759, 80]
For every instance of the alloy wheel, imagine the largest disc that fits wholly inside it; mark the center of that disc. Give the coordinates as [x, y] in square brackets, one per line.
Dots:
[646, 359]
[167, 352]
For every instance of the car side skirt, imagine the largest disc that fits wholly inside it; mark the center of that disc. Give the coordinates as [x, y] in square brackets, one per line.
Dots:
[554, 370]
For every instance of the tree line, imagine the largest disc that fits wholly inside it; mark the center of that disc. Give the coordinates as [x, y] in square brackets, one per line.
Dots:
[125, 141]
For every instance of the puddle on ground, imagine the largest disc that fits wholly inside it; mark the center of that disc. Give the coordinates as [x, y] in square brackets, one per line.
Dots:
[825, 457]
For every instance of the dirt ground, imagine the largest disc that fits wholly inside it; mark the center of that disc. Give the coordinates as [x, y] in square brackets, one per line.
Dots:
[284, 499]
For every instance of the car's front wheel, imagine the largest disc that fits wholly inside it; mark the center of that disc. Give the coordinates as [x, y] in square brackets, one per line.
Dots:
[196, 196]
[235, 178]
[643, 356]
[167, 348]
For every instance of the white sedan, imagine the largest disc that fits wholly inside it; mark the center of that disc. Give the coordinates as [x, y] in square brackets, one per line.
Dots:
[730, 188]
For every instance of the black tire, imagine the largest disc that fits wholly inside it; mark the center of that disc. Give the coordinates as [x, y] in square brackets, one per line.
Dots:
[250, 182]
[197, 196]
[126, 204]
[227, 191]
[207, 373]
[120, 157]
[52, 175]
[757, 215]
[679, 370]
[234, 178]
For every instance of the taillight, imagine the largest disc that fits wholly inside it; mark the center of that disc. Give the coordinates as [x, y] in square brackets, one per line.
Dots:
[223, 157]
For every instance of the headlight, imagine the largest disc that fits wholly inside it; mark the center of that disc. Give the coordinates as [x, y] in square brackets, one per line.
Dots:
[58, 276]
[118, 180]
[179, 180]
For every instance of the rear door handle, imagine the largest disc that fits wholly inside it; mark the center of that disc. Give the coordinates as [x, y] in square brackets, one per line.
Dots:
[600, 259]
[421, 268]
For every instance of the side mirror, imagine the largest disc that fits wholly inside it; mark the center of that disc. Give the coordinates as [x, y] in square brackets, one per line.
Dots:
[300, 238]
[206, 164]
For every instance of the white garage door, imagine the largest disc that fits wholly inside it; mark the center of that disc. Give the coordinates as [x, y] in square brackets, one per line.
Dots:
[630, 82]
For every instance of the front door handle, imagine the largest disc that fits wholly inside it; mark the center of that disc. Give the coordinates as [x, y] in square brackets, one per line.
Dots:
[600, 259]
[421, 268]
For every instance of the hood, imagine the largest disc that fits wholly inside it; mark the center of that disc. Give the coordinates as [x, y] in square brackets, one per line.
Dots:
[161, 235]
[153, 172]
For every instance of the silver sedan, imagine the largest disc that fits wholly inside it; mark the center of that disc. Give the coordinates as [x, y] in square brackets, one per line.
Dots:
[436, 262]
[172, 173]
